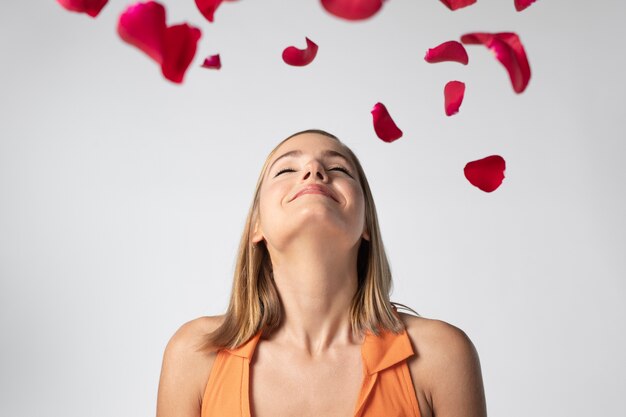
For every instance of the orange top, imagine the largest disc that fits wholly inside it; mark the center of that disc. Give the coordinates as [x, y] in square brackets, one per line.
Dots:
[387, 389]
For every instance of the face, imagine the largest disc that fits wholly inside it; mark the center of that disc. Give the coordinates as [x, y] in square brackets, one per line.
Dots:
[310, 189]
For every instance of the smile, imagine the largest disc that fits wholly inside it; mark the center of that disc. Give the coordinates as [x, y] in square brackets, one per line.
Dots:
[315, 189]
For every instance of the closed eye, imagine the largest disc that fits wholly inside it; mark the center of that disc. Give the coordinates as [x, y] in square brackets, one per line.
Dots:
[284, 170]
[341, 169]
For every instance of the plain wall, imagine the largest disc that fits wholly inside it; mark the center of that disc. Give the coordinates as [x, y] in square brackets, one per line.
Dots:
[123, 196]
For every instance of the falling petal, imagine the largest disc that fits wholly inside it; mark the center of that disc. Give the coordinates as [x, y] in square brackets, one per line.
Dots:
[522, 4]
[212, 62]
[208, 7]
[300, 57]
[352, 9]
[487, 173]
[91, 7]
[457, 4]
[447, 51]
[143, 26]
[453, 93]
[179, 49]
[384, 125]
[509, 50]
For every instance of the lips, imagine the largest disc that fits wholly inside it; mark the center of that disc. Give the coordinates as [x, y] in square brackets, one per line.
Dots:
[314, 189]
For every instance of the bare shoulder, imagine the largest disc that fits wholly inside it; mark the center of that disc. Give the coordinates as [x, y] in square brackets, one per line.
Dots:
[185, 370]
[446, 368]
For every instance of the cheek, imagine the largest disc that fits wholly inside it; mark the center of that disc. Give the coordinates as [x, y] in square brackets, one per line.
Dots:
[271, 199]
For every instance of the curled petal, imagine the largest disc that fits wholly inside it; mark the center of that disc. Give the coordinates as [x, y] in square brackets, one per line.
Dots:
[353, 9]
[522, 4]
[457, 4]
[487, 173]
[509, 50]
[447, 51]
[212, 62]
[179, 49]
[91, 7]
[300, 57]
[453, 93]
[143, 26]
[384, 125]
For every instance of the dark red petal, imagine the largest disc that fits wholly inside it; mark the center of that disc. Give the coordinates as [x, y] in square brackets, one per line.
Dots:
[208, 7]
[453, 93]
[91, 7]
[522, 4]
[509, 50]
[300, 57]
[457, 4]
[143, 25]
[447, 51]
[212, 62]
[179, 49]
[487, 173]
[353, 9]
[384, 125]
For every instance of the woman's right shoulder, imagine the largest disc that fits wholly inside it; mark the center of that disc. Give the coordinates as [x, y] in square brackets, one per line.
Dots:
[193, 332]
[185, 370]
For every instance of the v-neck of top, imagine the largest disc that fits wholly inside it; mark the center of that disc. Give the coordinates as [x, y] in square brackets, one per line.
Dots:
[378, 354]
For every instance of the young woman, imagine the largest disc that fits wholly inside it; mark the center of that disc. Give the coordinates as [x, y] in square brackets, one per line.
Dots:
[310, 329]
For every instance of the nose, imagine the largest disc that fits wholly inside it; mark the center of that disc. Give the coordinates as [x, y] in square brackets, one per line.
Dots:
[314, 169]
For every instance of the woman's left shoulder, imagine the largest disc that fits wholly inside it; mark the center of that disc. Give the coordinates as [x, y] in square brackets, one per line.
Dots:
[433, 334]
[446, 365]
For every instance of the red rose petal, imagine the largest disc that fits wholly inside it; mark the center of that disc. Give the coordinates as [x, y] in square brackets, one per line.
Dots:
[522, 4]
[384, 125]
[91, 7]
[487, 173]
[453, 93]
[509, 50]
[208, 7]
[353, 9]
[143, 25]
[447, 51]
[212, 62]
[457, 4]
[179, 49]
[300, 57]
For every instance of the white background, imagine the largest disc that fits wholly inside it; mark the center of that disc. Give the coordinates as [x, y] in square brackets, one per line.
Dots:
[123, 196]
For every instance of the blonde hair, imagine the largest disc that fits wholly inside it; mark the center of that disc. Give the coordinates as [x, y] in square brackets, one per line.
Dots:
[254, 302]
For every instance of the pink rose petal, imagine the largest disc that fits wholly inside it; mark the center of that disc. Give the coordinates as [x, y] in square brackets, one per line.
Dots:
[91, 7]
[447, 51]
[453, 93]
[300, 57]
[457, 4]
[143, 26]
[487, 173]
[384, 125]
[212, 62]
[509, 50]
[352, 9]
[522, 4]
[179, 49]
[208, 7]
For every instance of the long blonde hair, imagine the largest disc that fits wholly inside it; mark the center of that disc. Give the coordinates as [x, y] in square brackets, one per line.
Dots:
[254, 302]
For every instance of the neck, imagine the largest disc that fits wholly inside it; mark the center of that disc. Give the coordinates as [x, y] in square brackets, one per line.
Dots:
[316, 282]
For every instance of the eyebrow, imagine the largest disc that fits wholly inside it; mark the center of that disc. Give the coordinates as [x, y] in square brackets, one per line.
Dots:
[297, 152]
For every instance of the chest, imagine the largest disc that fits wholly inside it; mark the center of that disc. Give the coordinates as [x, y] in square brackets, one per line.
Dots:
[290, 387]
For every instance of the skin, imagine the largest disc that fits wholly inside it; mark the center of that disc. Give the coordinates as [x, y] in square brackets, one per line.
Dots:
[313, 242]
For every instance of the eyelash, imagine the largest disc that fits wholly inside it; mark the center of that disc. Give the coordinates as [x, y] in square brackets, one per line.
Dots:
[344, 170]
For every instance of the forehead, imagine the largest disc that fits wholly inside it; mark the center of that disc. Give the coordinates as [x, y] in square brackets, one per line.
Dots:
[308, 142]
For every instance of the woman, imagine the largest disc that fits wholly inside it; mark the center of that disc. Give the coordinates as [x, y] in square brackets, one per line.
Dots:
[310, 330]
